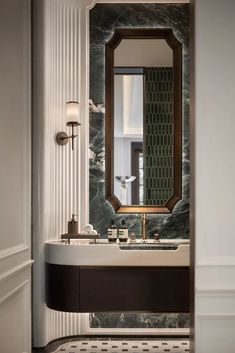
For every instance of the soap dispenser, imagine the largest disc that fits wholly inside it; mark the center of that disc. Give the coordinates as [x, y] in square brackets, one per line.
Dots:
[73, 225]
[112, 232]
[123, 232]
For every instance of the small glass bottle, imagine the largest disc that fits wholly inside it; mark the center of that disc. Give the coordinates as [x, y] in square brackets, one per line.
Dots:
[123, 232]
[112, 232]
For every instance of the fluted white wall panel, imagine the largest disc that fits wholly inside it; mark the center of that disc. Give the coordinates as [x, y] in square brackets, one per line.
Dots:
[56, 168]
[61, 85]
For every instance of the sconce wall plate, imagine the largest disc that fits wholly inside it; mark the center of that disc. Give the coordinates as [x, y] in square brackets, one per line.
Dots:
[62, 138]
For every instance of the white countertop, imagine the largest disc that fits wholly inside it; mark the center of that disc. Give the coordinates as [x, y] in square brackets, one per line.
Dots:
[102, 253]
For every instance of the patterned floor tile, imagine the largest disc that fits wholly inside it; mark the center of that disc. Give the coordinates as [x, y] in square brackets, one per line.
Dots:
[124, 346]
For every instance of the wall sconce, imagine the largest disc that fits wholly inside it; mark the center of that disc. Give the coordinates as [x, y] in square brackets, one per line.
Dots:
[72, 112]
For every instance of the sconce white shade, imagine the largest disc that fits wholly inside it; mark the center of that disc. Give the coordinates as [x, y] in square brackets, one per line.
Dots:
[72, 111]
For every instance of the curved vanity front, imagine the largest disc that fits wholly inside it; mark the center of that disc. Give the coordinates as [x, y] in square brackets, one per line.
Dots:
[99, 277]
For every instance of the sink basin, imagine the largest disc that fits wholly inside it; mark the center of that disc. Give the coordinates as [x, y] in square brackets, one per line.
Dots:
[151, 253]
[151, 244]
[166, 246]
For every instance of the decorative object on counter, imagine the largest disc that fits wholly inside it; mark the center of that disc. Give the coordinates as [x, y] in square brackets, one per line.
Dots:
[87, 233]
[73, 225]
[123, 232]
[88, 230]
[72, 113]
[112, 232]
[125, 181]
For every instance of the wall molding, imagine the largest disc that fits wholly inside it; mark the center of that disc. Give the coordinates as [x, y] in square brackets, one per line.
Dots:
[214, 333]
[14, 291]
[14, 250]
[215, 302]
[13, 257]
[215, 292]
[215, 277]
[209, 316]
[218, 261]
[15, 270]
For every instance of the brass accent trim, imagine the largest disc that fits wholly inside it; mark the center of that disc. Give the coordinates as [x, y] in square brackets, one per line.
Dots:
[140, 33]
[144, 226]
[67, 237]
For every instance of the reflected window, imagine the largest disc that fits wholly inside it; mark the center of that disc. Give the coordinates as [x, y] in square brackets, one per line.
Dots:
[137, 169]
[128, 128]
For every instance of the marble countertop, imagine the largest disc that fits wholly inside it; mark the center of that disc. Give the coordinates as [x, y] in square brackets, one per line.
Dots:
[167, 252]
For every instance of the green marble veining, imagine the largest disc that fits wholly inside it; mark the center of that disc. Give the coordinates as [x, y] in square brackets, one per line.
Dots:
[136, 320]
[104, 18]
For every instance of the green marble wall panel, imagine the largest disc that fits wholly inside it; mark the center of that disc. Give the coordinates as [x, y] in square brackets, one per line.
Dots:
[104, 18]
[135, 320]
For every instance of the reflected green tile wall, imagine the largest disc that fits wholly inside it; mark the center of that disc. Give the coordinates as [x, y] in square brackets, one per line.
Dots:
[159, 127]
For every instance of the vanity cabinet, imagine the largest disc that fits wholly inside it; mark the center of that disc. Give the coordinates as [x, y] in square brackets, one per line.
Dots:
[103, 288]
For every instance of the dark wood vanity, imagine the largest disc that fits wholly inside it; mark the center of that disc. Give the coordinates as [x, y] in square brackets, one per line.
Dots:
[102, 289]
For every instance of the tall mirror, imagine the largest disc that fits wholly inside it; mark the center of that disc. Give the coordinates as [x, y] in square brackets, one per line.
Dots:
[143, 120]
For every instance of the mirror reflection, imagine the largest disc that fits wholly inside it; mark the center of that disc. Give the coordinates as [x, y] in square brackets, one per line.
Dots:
[143, 122]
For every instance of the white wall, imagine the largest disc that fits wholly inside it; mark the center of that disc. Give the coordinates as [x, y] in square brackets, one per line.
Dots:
[15, 176]
[215, 175]
[122, 141]
[142, 52]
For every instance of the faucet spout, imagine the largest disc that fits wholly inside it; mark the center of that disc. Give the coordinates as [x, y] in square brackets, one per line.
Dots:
[144, 226]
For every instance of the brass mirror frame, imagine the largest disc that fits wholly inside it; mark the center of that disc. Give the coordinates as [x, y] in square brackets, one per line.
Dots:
[111, 45]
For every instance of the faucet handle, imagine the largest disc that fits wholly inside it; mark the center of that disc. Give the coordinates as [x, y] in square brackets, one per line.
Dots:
[156, 236]
[132, 236]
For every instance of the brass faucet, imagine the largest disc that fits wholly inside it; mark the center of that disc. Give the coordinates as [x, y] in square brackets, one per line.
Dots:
[144, 226]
